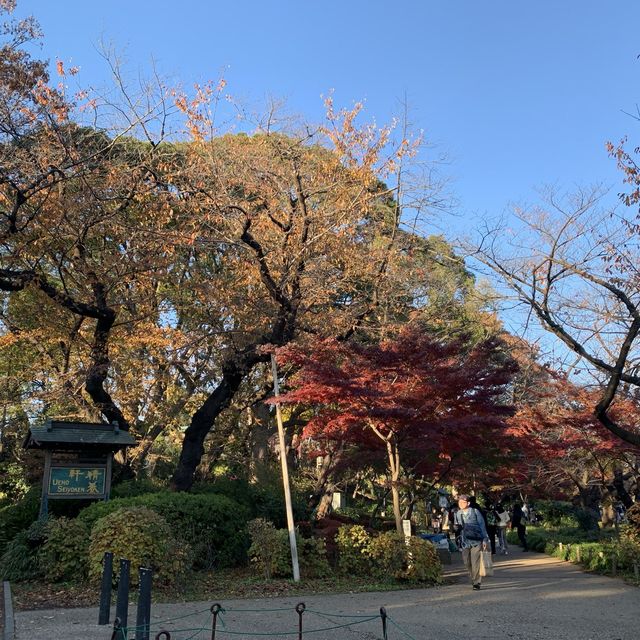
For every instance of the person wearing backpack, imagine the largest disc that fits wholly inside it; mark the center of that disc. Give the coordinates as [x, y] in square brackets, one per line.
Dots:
[473, 536]
[491, 518]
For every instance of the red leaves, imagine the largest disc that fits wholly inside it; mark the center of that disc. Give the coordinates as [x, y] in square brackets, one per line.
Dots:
[429, 397]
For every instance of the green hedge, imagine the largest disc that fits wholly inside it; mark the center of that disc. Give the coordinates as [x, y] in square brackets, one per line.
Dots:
[261, 500]
[214, 526]
[596, 551]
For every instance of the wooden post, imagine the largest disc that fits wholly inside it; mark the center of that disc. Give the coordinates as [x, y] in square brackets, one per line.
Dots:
[285, 475]
[44, 499]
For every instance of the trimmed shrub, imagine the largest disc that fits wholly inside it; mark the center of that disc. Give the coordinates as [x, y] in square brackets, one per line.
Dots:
[388, 553]
[65, 552]
[270, 552]
[214, 526]
[425, 565]
[264, 500]
[313, 558]
[143, 537]
[131, 488]
[416, 560]
[353, 549]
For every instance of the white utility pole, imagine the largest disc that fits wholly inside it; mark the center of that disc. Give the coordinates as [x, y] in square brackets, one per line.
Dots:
[285, 475]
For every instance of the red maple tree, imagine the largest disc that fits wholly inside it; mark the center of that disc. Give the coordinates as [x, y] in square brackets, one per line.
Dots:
[418, 400]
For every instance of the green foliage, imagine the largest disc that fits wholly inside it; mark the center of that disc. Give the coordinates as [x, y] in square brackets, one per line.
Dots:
[388, 553]
[214, 526]
[556, 513]
[263, 500]
[313, 558]
[265, 548]
[353, 549]
[13, 485]
[425, 565]
[597, 551]
[16, 518]
[416, 560]
[271, 554]
[143, 537]
[131, 488]
[64, 554]
[19, 560]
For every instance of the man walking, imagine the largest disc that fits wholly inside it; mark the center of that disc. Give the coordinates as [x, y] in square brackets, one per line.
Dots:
[474, 538]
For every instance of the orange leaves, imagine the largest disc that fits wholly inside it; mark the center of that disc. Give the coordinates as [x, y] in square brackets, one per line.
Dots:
[200, 109]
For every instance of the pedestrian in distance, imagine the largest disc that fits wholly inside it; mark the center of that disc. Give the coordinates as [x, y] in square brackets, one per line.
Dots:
[503, 522]
[519, 523]
[473, 538]
[491, 519]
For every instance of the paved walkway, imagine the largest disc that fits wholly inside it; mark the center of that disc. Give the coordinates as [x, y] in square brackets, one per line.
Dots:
[531, 596]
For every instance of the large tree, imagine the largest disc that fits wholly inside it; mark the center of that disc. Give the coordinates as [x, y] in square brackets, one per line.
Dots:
[573, 263]
[417, 400]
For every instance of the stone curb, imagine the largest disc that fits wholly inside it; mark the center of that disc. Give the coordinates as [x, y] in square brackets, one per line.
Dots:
[9, 623]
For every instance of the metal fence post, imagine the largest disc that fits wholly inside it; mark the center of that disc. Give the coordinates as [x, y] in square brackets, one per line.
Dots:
[105, 588]
[122, 602]
[215, 610]
[117, 630]
[300, 607]
[143, 617]
[383, 616]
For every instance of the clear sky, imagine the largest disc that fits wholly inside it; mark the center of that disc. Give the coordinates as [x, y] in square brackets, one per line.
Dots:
[519, 94]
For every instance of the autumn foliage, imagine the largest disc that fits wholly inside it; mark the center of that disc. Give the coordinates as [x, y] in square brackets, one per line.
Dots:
[419, 401]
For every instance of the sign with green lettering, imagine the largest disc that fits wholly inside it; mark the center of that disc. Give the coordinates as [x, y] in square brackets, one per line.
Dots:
[69, 482]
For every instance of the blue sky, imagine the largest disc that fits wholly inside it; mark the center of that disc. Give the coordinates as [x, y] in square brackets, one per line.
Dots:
[518, 94]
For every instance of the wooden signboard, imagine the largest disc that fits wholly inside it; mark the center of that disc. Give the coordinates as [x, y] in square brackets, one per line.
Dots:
[77, 481]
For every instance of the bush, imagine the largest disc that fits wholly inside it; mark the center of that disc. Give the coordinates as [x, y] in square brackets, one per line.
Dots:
[214, 526]
[425, 565]
[264, 500]
[556, 513]
[13, 485]
[266, 548]
[141, 536]
[131, 488]
[353, 550]
[19, 561]
[270, 552]
[18, 517]
[388, 553]
[416, 560]
[313, 558]
[65, 552]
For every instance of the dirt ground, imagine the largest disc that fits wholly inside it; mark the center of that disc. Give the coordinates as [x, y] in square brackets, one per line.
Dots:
[531, 596]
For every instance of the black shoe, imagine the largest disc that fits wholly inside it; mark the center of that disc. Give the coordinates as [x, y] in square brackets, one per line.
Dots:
[476, 587]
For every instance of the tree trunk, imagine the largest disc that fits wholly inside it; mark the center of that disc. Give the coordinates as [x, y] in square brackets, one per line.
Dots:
[262, 428]
[233, 373]
[394, 467]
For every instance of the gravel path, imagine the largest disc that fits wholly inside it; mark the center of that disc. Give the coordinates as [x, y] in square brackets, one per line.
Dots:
[531, 596]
